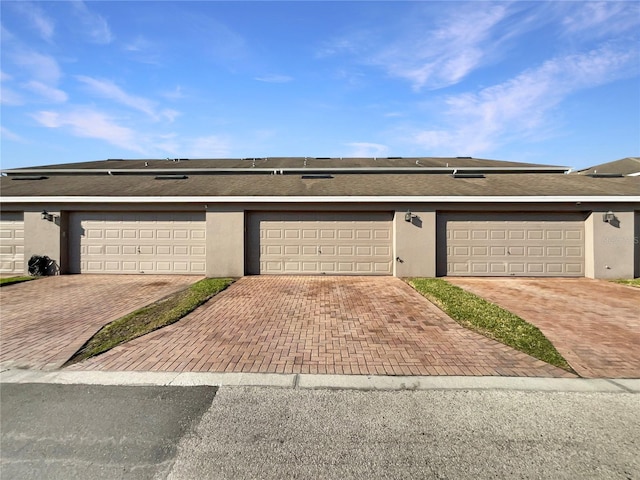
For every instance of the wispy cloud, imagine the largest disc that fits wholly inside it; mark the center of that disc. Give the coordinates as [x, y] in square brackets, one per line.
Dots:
[36, 18]
[448, 53]
[43, 68]
[274, 78]
[431, 52]
[602, 18]
[519, 108]
[109, 90]
[93, 24]
[365, 149]
[46, 92]
[143, 50]
[91, 123]
[10, 97]
[175, 94]
[9, 135]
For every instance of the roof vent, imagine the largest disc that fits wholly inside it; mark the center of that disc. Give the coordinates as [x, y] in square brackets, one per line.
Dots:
[323, 158]
[605, 175]
[115, 160]
[464, 157]
[171, 177]
[467, 175]
[316, 175]
[393, 158]
[30, 177]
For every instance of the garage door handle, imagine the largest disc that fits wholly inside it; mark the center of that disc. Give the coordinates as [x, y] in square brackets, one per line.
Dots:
[319, 250]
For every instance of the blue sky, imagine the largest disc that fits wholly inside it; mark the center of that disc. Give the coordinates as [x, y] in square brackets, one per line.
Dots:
[553, 83]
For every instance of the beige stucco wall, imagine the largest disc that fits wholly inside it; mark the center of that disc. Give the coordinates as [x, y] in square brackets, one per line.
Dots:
[225, 242]
[44, 238]
[415, 243]
[611, 251]
[636, 244]
[610, 247]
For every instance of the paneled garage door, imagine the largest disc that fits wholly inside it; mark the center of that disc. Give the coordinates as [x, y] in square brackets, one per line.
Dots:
[512, 244]
[138, 243]
[11, 242]
[357, 243]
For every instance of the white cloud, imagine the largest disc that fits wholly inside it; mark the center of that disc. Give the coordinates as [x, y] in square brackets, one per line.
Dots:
[601, 18]
[43, 68]
[365, 149]
[444, 55]
[9, 135]
[90, 123]
[109, 90]
[37, 18]
[273, 78]
[93, 24]
[520, 107]
[47, 93]
[175, 94]
[10, 97]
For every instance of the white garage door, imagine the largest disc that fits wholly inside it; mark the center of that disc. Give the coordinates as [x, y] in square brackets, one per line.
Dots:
[11, 242]
[514, 244]
[138, 243]
[355, 243]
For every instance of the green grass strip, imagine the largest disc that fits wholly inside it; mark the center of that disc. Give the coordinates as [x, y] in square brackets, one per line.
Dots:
[488, 319]
[11, 280]
[152, 317]
[631, 282]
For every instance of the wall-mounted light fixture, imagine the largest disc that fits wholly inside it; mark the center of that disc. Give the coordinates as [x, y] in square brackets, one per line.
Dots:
[608, 217]
[408, 216]
[47, 216]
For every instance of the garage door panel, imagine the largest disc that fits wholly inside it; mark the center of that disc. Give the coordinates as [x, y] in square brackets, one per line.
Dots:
[159, 242]
[12, 242]
[313, 243]
[520, 244]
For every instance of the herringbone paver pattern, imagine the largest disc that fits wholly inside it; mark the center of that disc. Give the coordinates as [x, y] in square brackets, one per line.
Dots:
[594, 324]
[339, 325]
[44, 322]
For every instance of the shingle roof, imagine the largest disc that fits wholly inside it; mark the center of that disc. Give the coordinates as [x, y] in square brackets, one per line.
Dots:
[291, 162]
[624, 166]
[357, 177]
[385, 184]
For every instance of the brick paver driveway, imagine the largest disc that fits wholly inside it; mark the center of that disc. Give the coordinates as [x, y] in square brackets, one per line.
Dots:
[594, 324]
[44, 322]
[342, 325]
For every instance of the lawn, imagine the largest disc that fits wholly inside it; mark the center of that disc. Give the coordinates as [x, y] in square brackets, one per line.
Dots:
[632, 282]
[11, 280]
[152, 317]
[488, 319]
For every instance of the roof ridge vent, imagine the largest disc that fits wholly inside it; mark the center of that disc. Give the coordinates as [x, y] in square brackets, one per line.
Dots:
[457, 174]
[171, 177]
[595, 174]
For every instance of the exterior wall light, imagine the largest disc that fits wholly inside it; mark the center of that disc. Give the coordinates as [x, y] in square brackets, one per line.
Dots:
[47, 216]
[408, 216]
[608, 217]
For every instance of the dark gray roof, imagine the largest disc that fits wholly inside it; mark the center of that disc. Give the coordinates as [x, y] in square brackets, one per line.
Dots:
[624, 166]
[424, 176]
[294, 162]
[355, 184]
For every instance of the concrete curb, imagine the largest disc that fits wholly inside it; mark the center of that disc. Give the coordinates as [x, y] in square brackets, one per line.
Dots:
[336, 382]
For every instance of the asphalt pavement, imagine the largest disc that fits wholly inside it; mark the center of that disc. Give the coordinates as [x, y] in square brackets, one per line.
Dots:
[53, 430]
